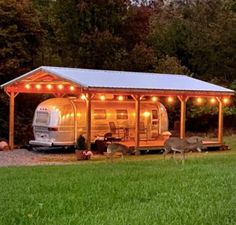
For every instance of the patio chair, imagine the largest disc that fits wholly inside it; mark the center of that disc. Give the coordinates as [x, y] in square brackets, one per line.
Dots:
[114, 129]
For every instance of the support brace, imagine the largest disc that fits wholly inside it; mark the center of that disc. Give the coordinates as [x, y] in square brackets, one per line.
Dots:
[137, 99]
[12, 96]
[220, 120]
[88, 120]
[183, 100]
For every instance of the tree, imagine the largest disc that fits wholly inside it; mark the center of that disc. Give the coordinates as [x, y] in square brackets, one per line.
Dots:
[136, 27]
[19, 37]
[170, 65]
[98, 50]
[201, 34]
[142, 58]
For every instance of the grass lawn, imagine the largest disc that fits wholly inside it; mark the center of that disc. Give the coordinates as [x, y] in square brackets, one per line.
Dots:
[130, 192]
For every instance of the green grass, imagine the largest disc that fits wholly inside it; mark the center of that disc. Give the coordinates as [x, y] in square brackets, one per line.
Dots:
[203, 191]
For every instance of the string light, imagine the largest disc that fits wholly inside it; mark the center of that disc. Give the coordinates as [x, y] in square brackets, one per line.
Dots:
[102, 97]
[170, 99]
[120, 98]
[226, 100]
[72, 88]
[154, 98]
[60, 86]
[199, 100]
[27, 86]
[49, 86]
[38, 86]
[213, 100]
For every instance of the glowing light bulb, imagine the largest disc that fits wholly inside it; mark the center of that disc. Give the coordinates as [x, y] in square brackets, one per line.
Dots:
[72, 88]
[120, 98]
[49, 86]
[38, 86]
[102, 97]
[27, 86]
[154, 98]
[60, 86]
[170, 99]
[199, 100]
[226, 100]
[213, 100]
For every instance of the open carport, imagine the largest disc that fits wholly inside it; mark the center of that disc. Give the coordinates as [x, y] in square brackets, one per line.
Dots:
[93, 84]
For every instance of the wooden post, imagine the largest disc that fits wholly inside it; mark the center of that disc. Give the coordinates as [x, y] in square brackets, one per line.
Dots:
[220, 121]
[183, 100]
[11, 119]
[88, 120]
[137, 120]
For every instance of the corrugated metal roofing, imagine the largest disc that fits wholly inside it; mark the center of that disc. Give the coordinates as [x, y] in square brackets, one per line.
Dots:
[128, 80]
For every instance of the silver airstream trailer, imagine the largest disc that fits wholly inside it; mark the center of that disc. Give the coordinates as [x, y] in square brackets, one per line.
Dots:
[59, 121]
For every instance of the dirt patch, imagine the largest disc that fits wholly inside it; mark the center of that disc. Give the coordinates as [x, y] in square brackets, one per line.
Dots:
[24, 157]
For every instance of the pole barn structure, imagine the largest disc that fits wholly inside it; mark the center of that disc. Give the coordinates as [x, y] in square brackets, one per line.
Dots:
[89, 83]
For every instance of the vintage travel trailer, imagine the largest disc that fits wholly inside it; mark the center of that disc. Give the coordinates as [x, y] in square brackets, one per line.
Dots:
[59, 121]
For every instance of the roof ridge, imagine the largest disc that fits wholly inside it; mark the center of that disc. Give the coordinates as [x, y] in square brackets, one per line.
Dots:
[112, 71]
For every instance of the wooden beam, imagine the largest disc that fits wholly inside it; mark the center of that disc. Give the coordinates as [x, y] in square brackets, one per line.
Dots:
[157, 92]
[11, 119]
[183, 101]
[118, 91]
[137, 120]
[220, 121]
[88, 120]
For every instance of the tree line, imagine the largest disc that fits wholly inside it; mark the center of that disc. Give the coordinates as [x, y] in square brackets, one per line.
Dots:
[193, 37]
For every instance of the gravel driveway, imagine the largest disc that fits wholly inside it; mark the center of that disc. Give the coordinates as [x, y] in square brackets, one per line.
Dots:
[23, 157]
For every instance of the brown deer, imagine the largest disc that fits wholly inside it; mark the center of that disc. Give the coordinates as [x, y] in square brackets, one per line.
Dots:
[116, 149]
[182, 146]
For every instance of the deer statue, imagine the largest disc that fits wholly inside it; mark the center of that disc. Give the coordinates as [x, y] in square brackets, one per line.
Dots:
[182, 146]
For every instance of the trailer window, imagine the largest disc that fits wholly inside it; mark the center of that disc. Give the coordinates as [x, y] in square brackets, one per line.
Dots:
[154, 114]
[121, 114]
[99, 114]
[42, 117]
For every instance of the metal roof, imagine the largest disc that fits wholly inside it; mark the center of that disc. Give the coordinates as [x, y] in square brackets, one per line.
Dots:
[89, 78]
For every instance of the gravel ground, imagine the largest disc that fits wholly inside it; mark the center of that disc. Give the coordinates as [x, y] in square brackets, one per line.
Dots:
[23, 157]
